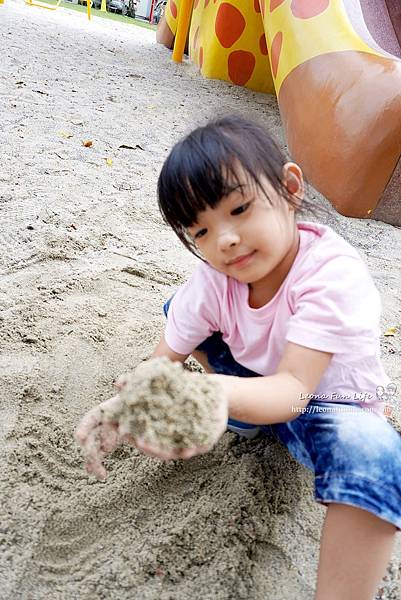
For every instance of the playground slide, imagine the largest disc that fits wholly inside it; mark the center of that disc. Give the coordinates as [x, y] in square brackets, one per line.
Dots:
[227, 41]
[336, 70]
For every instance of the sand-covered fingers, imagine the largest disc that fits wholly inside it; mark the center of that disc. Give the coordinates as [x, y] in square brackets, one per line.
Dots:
[109, 436]
[87, 426]
[94, 464]
[170, 454]
[187, 453]
[156, 451]
[91, 446]
[121, 381]
[98, 433]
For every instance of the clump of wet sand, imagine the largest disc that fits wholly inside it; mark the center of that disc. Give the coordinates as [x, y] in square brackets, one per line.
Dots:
[169, 407]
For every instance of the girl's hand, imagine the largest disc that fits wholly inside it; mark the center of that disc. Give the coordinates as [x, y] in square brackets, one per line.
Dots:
[183, 453]
[98, 433]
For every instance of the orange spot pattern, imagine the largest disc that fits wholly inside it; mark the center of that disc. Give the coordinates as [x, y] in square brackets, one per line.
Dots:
[200, 57]
[262, 44]
[229, 25]
[240, 66]
[306, 9]
[275, 51]
[173, 8]
[275, 3]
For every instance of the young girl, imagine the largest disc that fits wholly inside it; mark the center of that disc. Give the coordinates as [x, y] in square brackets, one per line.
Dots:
[285, 314]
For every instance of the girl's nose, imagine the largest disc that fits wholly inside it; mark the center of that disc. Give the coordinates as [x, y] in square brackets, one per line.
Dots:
[228, 239]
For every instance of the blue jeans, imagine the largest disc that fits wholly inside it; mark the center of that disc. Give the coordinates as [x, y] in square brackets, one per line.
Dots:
[354, 454]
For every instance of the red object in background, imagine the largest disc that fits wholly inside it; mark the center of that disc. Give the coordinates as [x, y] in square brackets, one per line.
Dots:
[151, 11]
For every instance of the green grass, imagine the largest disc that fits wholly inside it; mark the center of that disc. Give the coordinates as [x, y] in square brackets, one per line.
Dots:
[104, 15]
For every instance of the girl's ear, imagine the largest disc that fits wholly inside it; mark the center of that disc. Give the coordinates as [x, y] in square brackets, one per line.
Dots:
[293, 180]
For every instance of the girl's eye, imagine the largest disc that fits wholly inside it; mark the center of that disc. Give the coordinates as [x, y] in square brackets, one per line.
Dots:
[200, 234]
[240, 209]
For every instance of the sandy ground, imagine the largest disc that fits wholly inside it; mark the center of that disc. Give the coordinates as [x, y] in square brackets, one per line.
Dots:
[86, 264]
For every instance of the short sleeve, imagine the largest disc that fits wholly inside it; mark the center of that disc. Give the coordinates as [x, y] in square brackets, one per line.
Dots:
[336, 308]
[194, 312]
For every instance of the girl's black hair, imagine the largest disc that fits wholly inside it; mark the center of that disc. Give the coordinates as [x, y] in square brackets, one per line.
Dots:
[202, 168]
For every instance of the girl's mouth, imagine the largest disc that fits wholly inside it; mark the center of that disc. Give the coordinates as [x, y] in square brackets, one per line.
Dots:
[242, 261]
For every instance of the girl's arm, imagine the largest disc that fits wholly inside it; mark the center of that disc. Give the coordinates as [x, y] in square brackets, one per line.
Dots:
[274, 399]
[163, 350]
[258, 400]
[277, 398]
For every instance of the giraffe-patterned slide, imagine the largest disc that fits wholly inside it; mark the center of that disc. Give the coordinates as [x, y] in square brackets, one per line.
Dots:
[335, 66]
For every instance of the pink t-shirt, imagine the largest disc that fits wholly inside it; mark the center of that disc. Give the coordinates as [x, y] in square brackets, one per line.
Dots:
[327, 302]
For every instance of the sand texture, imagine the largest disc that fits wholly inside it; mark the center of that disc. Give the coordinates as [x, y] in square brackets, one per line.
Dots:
[86, 263]
[168, 407]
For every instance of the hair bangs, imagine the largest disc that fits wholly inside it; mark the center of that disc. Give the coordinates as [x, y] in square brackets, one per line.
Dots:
[230, 153]
[195, 177]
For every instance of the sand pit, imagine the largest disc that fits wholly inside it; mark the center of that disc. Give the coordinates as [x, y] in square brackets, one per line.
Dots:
[86, 265]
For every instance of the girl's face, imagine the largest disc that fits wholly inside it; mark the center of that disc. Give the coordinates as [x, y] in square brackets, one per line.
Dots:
[247, 238]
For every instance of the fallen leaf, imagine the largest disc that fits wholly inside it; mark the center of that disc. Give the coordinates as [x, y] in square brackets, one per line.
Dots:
[127, 147]
[391, 331]
[66, 135]
[109, 161]
[87, 143]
